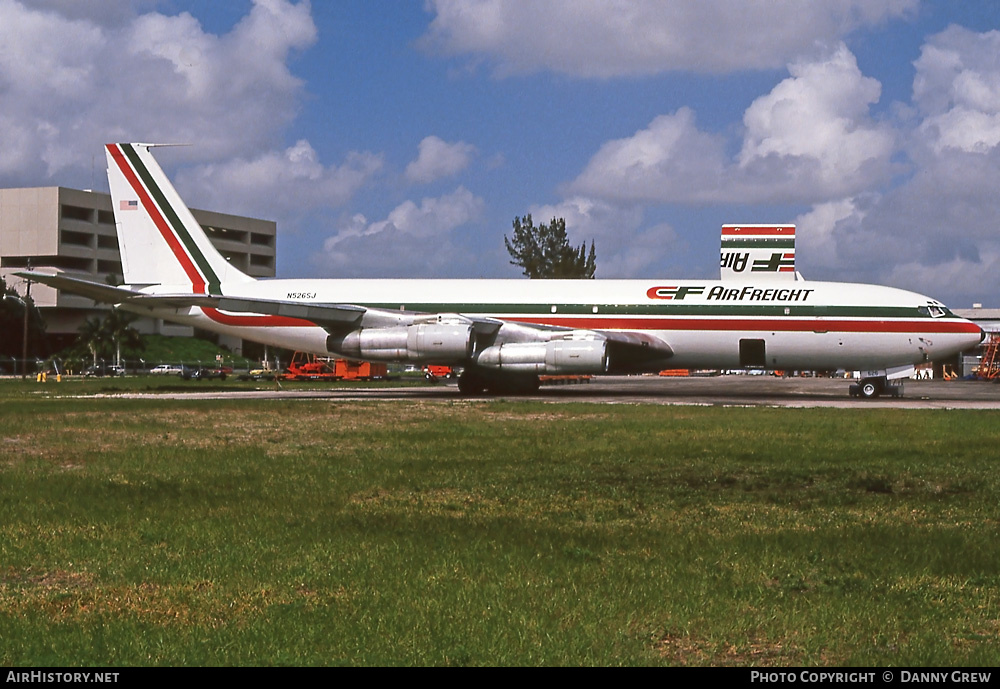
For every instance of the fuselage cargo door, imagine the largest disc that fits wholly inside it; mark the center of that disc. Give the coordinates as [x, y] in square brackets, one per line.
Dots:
[752, 354]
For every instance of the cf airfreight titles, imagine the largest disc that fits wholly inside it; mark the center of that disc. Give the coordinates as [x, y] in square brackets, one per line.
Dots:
[726, 293]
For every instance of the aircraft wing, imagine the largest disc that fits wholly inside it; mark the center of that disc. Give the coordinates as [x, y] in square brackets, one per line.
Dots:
[627, 350]
[323, 315]
[333, 317]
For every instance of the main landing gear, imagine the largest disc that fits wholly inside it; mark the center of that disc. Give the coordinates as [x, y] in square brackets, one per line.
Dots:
[870, 388]
[475, 381]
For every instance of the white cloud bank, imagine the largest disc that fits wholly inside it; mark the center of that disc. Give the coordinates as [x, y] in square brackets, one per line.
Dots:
[957, 88]
[414, 240]
[936, 232]
[596, 38]
[116, 75]
[151, 78]
[282, 182]
[910, 202]
[811, 138]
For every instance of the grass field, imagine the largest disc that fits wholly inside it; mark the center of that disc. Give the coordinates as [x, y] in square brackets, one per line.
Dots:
[158, 532]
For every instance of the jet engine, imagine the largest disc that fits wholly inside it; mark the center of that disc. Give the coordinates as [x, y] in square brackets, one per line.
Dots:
[553, 357]
[419, 343]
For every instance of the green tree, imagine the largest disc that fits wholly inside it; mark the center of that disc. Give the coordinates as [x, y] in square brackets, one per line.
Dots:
[123, 336]
[94, 338]
[12, 324]
[110, 337]
[545, 251]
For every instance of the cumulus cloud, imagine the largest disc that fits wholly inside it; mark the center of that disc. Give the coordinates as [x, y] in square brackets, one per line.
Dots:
[957, 89]
[106, 12]
[670, 160]
[935, 230]
[437, 159]
[911, 202]
[810, 139]
[148, 77]
[816, 241]
[595, 38]
[624, 247]
[412, 240]
[944, 215]
[816, 123]
[286, 183]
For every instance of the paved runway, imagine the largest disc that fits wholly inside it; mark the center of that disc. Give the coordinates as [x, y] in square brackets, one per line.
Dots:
[710, 391]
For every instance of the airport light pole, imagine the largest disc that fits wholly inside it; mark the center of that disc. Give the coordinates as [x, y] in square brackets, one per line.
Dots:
[24, 305]
[24, 341]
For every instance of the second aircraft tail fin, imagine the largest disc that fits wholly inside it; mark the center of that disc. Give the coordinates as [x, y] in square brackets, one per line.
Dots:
[758, 251]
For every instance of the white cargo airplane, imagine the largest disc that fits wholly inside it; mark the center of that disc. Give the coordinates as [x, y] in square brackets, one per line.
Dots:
[504, 333]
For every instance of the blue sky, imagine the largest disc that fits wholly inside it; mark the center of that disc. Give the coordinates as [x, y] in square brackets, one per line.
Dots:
[400, 139]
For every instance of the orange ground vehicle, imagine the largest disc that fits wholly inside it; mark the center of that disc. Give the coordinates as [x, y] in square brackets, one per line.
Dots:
[359, 370]
[305, 366]
[432, 372]
[310, 367]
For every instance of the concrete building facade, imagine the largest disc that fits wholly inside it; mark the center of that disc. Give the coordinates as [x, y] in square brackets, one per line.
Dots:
[73, 231]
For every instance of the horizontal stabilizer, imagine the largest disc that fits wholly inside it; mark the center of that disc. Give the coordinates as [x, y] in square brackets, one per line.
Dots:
[98, 291]
[323, 315]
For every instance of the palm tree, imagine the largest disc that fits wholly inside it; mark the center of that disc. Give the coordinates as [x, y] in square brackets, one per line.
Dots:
[94, 337]
[118, 326]
[113, 334]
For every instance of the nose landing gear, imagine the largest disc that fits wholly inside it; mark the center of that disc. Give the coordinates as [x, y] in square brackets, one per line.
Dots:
[870, 388]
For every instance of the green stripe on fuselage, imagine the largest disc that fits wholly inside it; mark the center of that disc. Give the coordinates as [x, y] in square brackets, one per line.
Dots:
[758, 243]
[779, 310]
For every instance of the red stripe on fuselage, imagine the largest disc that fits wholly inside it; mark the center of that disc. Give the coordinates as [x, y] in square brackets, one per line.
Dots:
[257, 321]
[668, 324]
[753, 324]
[763, 231]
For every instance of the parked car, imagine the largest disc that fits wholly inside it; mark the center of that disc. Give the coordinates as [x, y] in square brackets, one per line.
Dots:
[166, 369]
[104, 370]
[206, 373]
[257, 374]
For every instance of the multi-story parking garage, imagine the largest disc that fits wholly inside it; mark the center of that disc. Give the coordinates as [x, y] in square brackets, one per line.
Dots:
[73, 231]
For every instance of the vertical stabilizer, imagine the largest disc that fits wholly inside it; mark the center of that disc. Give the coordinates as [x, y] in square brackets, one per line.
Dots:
[160, 241]
[758, 252]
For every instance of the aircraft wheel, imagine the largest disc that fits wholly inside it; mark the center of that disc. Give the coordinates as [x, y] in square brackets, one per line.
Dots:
[470, 384]
[531, 385]
[870, 389]
[514, 384]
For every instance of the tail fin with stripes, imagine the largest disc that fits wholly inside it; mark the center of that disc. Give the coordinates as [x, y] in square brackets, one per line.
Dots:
[160, 241]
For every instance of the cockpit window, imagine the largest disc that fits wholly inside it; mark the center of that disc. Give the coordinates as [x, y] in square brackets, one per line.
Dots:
[933, 311]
